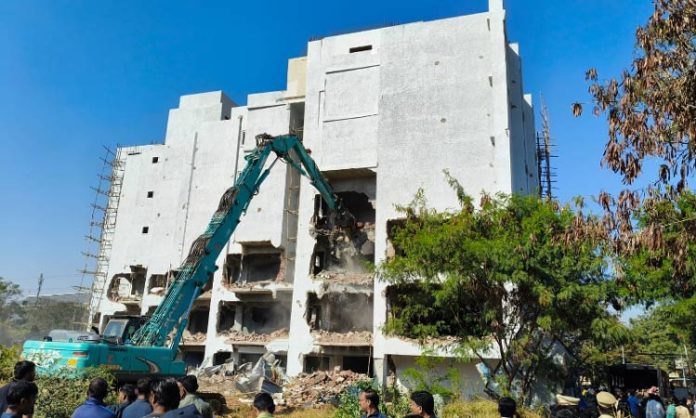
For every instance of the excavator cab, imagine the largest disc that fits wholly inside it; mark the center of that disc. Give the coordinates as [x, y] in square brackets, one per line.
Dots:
[120, 329]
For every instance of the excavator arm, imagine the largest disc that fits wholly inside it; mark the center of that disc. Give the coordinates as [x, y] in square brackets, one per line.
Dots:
[199, 266]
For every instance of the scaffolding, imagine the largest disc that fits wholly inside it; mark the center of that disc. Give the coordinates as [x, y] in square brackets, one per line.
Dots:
[544, 144]
[102, 225]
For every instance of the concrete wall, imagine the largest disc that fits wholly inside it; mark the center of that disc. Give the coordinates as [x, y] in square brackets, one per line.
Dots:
[396, 105]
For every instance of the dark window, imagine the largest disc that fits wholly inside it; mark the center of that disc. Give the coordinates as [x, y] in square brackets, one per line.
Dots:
[150, 194]
[315, 363]
[155, 160]
[146, 229]
[357, 364]
[361, 48]
[243, 137]
[221, 357]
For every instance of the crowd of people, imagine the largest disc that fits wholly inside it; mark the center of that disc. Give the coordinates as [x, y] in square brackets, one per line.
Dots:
[171, 397]
[167, 398]
[619, 403]
[148, 398]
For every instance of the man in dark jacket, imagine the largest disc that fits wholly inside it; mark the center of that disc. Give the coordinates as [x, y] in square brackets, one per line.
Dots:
[188, 389]
[94, 406]
[126, 396]
[21, 397]
[165, 399]
[141, 406]
[23, 371]
[368, 400]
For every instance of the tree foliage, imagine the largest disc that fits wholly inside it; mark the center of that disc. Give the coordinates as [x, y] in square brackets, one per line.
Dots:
[651, 119]
[520, 276]
[651, 108]
[662, 262]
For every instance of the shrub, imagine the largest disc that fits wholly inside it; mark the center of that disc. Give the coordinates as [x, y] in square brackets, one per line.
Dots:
[348, 406]
[8, 357]
[60, 395]
[480, 409]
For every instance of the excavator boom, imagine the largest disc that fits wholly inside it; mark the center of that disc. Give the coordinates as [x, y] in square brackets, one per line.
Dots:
[198, 267]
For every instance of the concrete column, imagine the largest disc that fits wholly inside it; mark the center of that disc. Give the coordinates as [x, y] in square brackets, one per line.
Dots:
[238, 316]
[301, 341]
[380, 370]
[500, 134]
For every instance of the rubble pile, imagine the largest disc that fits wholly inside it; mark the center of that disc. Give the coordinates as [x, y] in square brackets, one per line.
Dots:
[343, 338]
[248, 285]
[197, 338]
[246, 379]
[345, 276]
[319, 388]
[252, 337]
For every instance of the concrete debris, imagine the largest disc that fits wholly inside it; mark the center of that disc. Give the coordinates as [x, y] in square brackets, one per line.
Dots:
[266, 376]
[234, 336]
[344, 276]
[319, 388]
[157, 291]
[343, 338]
[248, 285]
[197, 338]
[433, 342]
[248, 379]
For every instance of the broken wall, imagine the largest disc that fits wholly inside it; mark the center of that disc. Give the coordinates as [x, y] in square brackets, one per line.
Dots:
[337, 255]
[258, 263]
[340, 312]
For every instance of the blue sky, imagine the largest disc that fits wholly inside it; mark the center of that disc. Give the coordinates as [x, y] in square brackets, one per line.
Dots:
[76, 75]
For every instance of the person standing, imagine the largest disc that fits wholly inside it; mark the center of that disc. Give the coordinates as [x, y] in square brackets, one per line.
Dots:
[507, 407]
[141, 406]
[633, 403]
[622, 407]
[671, 411]
[606, 405]
[21, 397]
[165, 397]
[682, 410]
[588, 404]
[94, 405]
[23, 371]
[264, 407]
[188, 389]
[423, 404]
[368, 400]
[565, 403]
[654, 407]
[126, 396]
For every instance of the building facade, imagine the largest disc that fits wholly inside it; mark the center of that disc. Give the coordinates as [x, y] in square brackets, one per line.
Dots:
[384, 112]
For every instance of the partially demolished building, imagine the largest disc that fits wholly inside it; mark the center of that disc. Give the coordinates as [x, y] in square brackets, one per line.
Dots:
[384, 112]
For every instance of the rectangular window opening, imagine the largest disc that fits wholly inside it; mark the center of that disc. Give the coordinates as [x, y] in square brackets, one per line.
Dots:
[155, 160]
[360, 48]
[150, 194]
[146, 229]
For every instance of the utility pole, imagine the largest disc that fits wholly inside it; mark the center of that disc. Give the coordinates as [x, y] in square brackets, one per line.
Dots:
[686, 364]
[38, 291]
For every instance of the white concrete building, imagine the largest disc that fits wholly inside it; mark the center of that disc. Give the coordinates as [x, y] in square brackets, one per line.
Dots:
[384, 112]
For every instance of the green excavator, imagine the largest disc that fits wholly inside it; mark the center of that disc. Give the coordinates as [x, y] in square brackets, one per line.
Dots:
[145, 346]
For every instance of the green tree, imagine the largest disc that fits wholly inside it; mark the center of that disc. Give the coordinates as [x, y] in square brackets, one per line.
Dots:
[651, 117]
[651, 121]
[521, 276]
[660, 262]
